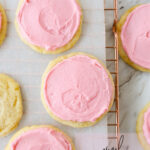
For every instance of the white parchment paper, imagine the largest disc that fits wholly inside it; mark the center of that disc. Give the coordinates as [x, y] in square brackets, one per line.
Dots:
[26, 66]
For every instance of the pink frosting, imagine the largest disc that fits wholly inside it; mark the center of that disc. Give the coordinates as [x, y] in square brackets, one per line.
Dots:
[49, 24]
[135, 36]
[78, 89]
[146, 125]
[41, 139]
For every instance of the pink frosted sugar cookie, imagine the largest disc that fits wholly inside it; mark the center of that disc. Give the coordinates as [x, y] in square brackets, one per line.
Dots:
[49, 26]
[134, 37]
[40, 138]
[77, 90]
[143, 127]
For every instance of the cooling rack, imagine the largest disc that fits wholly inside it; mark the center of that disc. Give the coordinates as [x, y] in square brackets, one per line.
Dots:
[110, 6]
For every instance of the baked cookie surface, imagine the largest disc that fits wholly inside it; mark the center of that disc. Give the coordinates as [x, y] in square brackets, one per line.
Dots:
[133, 32]
[41, 137]
[53, 27]
[3, 24]
[10, 104]
[143, 127]
[77, 90]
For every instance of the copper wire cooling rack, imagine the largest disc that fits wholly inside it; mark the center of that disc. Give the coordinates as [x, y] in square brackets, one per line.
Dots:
[114, 47]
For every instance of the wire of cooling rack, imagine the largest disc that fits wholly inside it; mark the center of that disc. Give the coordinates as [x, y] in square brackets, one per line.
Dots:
[113, 9]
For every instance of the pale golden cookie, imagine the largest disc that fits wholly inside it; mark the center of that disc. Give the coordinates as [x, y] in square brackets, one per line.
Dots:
[10, 104]
[4, 25]
[26, 129]
[42, 50]
[139, 128]
[122, 53]
[74, 124]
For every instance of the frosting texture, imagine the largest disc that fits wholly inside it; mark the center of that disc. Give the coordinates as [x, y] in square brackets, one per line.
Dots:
[135, 36]
[49, 24]
[146, 125]
[78, 89]
[41, 139]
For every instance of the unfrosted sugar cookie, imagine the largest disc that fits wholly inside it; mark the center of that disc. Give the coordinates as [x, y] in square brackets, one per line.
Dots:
[3, 24]
[44, 137]
[143, 127]
[10, 104]
[77, 90]
[49, 26]
[134, 37]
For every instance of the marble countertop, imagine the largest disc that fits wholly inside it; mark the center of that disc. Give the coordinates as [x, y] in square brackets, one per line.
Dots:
[134, 90]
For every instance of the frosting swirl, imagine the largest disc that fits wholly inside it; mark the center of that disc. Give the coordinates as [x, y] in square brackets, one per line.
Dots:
[49, 24]
[135, 36]
[41, 139]
[78, 89]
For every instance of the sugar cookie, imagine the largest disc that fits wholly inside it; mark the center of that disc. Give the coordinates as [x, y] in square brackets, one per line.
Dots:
[49, 26]
[77, 90]
[10, 104]
[44, 137]
[143, 127]
[134, 37]
[3, 24]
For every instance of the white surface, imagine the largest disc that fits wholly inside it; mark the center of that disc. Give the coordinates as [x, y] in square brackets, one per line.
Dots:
[27, 66]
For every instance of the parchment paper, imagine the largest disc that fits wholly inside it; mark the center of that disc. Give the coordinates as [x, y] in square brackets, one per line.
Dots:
[26, 66]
